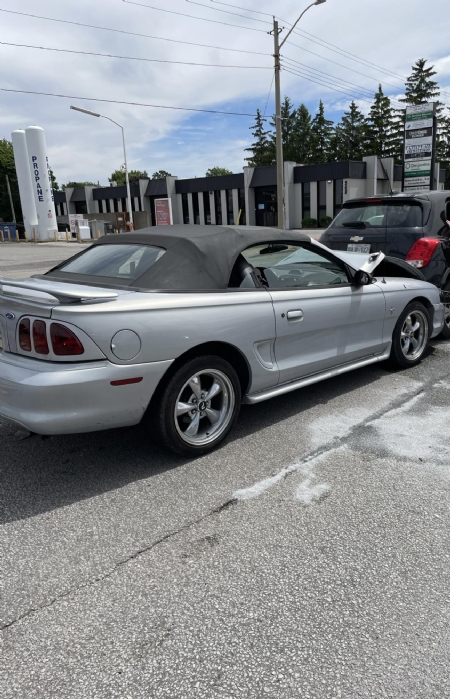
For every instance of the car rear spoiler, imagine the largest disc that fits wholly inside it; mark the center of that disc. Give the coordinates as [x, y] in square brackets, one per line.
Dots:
[62, 292]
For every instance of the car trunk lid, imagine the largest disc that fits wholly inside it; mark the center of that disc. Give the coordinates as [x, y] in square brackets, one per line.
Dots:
[37, 297]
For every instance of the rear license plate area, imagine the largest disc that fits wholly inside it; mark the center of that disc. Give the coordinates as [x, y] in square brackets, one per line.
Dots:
[351, 247]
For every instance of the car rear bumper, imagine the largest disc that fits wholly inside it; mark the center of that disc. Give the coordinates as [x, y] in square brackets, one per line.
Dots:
[438, 319]
[50, 398]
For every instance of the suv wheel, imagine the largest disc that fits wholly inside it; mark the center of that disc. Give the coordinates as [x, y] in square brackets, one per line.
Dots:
[411, 335]
[199, 406]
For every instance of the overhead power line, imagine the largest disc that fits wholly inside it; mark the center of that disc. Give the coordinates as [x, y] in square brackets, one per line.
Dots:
[341, 65]
[123, 31]
[345, 83]
[352, 55]
[132, 58]
[183, 14]
[246, 9]
[323, 84]
[227, 12]
[134, 104]
[331, 47]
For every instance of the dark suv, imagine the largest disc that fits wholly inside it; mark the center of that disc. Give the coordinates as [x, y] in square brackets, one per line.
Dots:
[412, 227]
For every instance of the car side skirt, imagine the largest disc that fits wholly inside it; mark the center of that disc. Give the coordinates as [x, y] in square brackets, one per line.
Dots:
[251, 399]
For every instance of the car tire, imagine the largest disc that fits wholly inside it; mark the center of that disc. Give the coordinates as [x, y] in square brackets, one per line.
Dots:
[445, 332]
[411, 336]
[211, 388]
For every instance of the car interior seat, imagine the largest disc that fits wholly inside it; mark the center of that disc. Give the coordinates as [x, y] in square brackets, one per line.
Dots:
[241, 274]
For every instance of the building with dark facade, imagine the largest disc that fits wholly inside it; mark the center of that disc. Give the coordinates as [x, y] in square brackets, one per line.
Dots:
[250, 197]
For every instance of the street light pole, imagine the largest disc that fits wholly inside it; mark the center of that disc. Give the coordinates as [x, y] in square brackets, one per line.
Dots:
[278, 126]
[279, 135]
[87, 111]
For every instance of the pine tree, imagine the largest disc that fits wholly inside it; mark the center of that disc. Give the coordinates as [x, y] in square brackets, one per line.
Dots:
[7, 167]
[350, 135]
[420, 87]
[288, 119]
[302, 135]
[261, 150]
[322, 131]
[379, 127]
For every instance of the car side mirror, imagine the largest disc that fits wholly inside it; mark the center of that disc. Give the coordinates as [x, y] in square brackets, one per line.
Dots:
[362, 278]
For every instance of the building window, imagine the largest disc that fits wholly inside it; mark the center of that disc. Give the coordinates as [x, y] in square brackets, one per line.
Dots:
[207, 208]
[184, 201]
[242, 218]
[321, 200]
[80, 207]
[124, 204]
[306, 200]
[195, 207]
[218, 207]
[116, 205]
[230, 212]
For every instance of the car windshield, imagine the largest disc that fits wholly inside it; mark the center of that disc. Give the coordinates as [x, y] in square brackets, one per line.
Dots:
[117, 261]
[379, 215]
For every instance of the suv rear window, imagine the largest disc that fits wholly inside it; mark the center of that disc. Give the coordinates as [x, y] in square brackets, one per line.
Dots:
[374, 215]
[115, 261]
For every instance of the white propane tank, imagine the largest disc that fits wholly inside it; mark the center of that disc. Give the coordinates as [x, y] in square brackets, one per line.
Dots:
[26, 188]
[42, 184]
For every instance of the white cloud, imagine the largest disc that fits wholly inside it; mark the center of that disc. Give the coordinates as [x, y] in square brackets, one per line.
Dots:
[184, 143]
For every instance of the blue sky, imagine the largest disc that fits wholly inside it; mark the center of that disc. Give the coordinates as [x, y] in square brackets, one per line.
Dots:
[390, 36]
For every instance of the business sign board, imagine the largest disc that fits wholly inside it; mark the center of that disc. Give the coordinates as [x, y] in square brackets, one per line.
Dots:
[419, 147]
[163, 212]
[73, 218]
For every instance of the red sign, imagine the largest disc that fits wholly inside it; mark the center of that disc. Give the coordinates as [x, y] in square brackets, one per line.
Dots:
[163, 211]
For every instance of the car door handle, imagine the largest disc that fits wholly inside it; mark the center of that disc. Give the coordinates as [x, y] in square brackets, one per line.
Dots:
[295, 315]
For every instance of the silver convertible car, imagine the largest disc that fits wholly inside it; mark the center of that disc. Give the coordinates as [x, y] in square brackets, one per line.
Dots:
[180, 325]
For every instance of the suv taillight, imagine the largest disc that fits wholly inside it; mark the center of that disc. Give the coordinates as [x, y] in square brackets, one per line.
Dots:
[421, 252]
[25, 335]
[40, 337]
[64, 342]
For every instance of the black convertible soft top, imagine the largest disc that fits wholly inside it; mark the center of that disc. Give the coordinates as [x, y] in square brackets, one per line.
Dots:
[197, 257]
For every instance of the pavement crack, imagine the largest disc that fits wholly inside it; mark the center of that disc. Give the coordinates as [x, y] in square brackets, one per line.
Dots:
[124, 561]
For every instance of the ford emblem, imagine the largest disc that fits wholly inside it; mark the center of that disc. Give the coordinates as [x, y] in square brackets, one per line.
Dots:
[10, 316]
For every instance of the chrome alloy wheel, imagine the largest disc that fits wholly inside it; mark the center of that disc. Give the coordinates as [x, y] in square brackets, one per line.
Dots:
[204, 407]
[414, 335]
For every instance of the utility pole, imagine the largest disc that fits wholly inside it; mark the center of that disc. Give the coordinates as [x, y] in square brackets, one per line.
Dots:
[279, 131]
[278, 125]
[11, 199]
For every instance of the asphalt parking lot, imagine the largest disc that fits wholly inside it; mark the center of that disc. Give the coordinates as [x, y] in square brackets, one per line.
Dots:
[307, 558]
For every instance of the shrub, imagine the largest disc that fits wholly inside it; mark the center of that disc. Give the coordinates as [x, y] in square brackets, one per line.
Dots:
[325, 221]
[309, 223]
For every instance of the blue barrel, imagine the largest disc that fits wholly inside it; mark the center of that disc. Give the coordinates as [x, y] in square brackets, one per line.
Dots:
[9, 231]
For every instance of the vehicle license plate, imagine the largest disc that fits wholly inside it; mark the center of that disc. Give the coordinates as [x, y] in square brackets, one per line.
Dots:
[351, 247]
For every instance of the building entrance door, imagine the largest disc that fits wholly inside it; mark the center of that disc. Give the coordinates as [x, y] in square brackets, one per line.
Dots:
[266, 210]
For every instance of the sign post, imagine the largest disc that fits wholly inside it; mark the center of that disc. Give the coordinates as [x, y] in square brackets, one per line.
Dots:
[420, 147]
[163, 212]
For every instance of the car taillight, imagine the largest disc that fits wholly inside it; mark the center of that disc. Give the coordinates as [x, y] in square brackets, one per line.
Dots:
[64, 342]
[25, 335]
[421, 252]
[40, 337]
